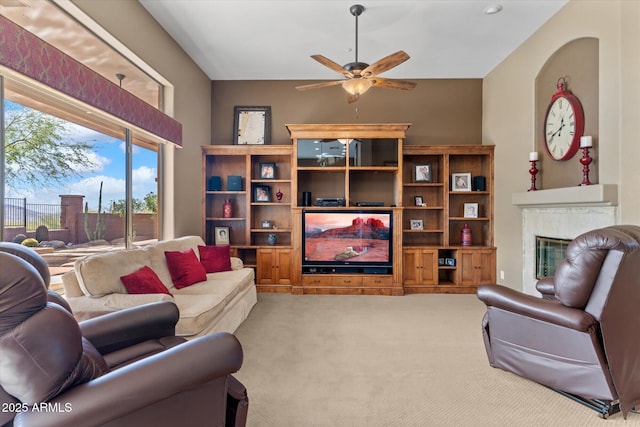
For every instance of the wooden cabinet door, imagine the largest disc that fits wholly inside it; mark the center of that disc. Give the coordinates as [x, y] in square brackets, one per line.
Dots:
[476, 267]
[282, 266]
[264, 266]
[411, 267]
[429, 270]
[420, 267]
[273, 266]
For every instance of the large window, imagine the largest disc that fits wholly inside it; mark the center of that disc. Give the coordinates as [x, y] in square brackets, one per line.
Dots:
[76, 180]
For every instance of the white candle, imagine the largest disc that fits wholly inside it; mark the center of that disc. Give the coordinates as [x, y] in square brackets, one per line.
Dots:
[586, 141]
[533, 156]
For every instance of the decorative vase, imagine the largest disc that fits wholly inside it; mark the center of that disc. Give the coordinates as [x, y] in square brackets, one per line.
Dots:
[465, 235]
[227, 209]
[271, 239]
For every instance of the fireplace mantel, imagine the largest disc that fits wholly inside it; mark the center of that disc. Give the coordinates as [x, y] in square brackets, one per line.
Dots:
[588, 195]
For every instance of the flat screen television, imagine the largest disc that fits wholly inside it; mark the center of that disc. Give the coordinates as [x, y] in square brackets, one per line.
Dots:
[347, 238]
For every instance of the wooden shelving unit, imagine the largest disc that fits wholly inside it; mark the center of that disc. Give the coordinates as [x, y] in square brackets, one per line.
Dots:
[359, 163]
[443, 217]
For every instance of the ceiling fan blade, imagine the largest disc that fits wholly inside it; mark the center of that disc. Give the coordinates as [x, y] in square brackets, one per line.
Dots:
[393, 83]
[333, 65]
[385, 64]
[319, 85]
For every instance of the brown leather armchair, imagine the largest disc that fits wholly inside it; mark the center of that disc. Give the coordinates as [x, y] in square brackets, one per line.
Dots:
[123, 369]
[581, 338]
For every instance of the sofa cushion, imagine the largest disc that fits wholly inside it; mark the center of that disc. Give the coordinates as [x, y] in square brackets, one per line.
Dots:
[144, 281]
[215, 258]
[158, 262]
[99, 274]
[185, 268]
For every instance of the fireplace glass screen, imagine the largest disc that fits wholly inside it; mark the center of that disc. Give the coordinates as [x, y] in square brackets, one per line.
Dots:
[549, 252]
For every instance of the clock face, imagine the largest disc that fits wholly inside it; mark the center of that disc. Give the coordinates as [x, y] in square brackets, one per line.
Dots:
[560, 129]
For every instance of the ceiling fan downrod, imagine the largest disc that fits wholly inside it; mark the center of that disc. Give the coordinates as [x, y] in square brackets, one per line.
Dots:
[356, 10]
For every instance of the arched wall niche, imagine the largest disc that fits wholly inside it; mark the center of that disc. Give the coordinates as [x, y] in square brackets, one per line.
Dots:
[577, 62]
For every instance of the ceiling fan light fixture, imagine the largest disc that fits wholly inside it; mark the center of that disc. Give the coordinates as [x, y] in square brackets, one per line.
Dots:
[357, 87]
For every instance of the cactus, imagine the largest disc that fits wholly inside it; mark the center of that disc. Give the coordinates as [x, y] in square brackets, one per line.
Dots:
[98, 234]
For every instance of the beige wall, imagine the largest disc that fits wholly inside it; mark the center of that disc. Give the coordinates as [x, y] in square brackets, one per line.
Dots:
[510, 120]
[131, 24]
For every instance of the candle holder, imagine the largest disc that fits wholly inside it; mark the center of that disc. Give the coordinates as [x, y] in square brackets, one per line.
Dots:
[533, 171]
[586, 161]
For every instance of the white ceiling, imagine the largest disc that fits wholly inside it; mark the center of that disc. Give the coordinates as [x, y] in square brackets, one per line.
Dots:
[273, 40]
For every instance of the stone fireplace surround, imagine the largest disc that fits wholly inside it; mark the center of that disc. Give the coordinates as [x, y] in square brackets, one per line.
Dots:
[562, 213]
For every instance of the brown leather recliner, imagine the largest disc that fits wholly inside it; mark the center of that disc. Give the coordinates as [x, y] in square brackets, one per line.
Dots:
[581, 338]
[123, 369]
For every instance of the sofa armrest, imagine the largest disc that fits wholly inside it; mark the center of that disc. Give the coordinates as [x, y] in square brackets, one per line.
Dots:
[236, 263]
[542, 309]
[87, 307]
[170, 384]
[125, 328]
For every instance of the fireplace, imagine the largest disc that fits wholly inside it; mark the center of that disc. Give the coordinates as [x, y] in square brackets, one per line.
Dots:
[549, 252]
[561, 214]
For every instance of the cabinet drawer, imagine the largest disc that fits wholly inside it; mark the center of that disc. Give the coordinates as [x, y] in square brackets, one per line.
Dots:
[346, 281]
[375, 280]
[315, 280]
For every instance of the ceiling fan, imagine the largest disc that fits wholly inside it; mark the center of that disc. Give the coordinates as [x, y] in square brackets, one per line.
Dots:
[360, 77]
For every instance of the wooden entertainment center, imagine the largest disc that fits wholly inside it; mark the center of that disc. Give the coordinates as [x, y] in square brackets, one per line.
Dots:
[353, 167]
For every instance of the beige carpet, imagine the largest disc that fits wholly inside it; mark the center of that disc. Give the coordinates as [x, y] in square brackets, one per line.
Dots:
[416, 360]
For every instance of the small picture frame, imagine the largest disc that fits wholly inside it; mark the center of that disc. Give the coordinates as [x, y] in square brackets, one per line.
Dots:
[416, 224]
[471, 210]
[251, 125]
[267, 171]
[221, 236]
[419, 201]
[262, 194]
[450, 262]
[266, 224]
[422, 173]
[440, 261]
[460, 182]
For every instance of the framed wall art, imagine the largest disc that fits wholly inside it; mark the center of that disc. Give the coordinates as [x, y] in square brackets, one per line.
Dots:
[251, 125]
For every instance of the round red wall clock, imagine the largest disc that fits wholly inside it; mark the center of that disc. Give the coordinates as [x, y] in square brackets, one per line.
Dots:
[563, 124]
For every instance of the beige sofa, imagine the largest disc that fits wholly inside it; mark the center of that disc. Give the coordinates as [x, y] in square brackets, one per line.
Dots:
[219, 304]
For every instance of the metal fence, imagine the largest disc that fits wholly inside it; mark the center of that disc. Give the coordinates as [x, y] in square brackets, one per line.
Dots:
[19, 213]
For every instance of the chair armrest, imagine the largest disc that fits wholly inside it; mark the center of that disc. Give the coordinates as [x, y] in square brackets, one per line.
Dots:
[124, 328]
[542, 309]
[236, 263]
[160, 379]
[546, 287]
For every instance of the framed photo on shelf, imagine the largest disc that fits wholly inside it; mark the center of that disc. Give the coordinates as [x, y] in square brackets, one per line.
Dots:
[416, 224]
[266, 224]
[450, 262]
[251, 125]
[262, 193]
[267, 171]
[422, 173]
[460, 182]
[471, 210]
[221, 236]
[419, 201]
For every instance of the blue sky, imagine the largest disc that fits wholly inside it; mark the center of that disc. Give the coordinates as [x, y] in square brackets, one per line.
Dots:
[109, 156]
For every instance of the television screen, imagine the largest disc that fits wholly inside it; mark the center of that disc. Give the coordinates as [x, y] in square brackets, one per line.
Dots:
[355, 238]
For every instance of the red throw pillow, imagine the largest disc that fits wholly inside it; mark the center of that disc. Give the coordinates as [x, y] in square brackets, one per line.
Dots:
[144, 281]
[215, 258]
[184, 267]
